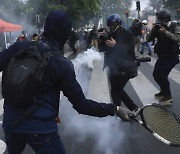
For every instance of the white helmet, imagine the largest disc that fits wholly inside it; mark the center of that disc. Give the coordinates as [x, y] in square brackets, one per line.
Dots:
[144, 22]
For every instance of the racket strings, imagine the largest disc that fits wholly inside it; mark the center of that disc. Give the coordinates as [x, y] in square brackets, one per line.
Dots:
[163, 123]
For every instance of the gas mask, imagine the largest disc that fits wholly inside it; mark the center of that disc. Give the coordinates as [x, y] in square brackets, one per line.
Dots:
[114, 26]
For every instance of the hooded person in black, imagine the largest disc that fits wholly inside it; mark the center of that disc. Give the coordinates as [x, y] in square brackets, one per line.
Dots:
[39, 130]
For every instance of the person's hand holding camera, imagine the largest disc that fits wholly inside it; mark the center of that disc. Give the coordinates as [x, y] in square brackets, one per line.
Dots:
[111, 42]
[159, 28]
[162, 30]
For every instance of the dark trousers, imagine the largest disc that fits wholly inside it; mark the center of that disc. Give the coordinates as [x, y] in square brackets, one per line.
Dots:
[161, 71]
[117, 83]
[41, 144]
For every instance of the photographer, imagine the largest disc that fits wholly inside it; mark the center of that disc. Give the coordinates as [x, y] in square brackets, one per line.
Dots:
[167, 50]
[119, 58]
[136, 30]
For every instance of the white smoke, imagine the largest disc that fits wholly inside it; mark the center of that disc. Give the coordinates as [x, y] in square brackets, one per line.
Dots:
[105, 132]
[86, 59]
[2, 146]
[83, 65]
[30, 30]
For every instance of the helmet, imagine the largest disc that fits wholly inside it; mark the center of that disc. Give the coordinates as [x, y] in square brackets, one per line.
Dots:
[144, 22]
[163, 14]
[113, 18]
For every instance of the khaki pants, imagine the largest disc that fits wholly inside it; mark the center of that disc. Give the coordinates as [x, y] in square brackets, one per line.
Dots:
[94, 43]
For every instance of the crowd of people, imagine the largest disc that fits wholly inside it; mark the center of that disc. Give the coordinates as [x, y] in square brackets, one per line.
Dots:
[96, 36]
[40, 129]
[23, 37]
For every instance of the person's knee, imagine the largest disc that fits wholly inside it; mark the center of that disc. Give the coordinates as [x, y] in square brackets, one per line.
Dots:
[156, 75]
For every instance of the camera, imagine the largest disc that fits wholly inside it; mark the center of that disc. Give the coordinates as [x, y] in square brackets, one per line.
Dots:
[104, 37]
[157, 26]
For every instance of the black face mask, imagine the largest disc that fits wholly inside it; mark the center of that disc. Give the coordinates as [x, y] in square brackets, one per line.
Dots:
[114, 28]
[164, 21]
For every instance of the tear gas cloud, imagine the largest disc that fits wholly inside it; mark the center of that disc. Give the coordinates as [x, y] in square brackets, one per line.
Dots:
[106, 132]
[86, 58]
[20, 21]
[83, 65]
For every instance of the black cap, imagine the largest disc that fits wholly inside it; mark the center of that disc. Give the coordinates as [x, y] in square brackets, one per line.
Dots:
[163, 14]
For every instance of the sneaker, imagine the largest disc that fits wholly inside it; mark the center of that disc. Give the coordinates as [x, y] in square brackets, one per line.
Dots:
[158, 95]
[166, 100]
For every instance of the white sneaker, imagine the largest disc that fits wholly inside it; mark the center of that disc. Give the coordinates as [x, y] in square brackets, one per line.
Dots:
[166, 100]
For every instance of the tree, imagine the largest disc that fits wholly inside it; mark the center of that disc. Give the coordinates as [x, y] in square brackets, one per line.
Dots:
[173, 5]
[10, 11]
[79, 11]
[115, 6]
[11, 8]
[156, 5]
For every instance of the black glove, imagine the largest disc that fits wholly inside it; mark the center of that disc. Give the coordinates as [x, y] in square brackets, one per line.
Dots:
[123, 113]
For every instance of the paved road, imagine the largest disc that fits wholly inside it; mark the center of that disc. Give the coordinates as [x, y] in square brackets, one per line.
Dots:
[90, 135]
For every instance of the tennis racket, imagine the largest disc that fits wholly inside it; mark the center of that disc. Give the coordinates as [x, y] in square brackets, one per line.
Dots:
[161, 122]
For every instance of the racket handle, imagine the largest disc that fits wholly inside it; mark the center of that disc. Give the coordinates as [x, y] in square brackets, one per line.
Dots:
[131, 115]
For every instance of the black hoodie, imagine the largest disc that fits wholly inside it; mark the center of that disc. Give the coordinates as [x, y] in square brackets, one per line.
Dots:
[58, 76]
[58, 32]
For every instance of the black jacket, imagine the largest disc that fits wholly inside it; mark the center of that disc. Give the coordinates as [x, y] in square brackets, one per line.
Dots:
[59, 76]
[121, 57]
[167, 43]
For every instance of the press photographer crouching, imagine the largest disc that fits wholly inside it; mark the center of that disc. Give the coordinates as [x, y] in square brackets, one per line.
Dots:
[167, 50]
